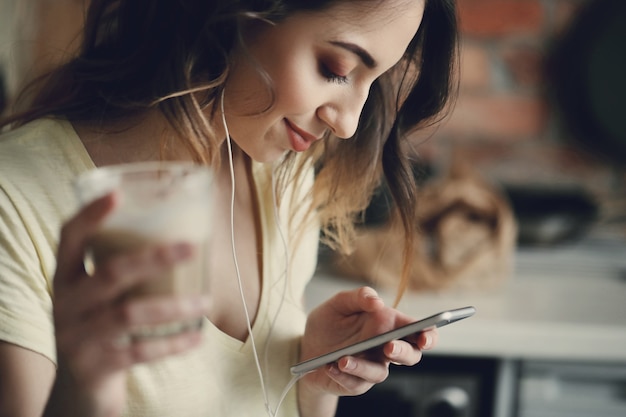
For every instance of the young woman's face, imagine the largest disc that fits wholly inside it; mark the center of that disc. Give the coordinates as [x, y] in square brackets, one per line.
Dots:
[321, 66]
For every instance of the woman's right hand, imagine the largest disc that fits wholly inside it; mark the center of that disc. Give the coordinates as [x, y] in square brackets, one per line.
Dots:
[93, 319]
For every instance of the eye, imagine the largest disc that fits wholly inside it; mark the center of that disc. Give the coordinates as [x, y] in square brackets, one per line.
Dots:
[332, 76]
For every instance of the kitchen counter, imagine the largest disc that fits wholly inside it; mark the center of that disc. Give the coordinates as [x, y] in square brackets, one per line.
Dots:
[564, 303]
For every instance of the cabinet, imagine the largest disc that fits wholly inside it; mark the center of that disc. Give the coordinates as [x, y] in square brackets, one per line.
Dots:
[553, 389]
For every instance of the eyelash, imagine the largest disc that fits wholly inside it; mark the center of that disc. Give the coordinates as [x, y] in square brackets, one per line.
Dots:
[331, 76]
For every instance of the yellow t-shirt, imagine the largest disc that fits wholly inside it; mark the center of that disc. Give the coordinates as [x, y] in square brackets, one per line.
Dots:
[37, 165]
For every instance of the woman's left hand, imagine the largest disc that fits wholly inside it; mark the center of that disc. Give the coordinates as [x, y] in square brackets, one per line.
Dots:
[350, 317]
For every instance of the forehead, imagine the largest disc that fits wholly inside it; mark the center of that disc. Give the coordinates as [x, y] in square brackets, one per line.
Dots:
[382, 11]
[383, 28]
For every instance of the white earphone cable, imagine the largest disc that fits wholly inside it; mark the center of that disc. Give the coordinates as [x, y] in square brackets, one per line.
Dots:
[294, 379]
[234, 252]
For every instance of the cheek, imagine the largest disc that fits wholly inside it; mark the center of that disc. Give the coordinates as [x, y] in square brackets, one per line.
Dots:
[246, 91]
[297, 88]
[294, 78]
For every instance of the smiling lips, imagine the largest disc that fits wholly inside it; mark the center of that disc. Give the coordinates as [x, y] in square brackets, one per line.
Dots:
[300, 140]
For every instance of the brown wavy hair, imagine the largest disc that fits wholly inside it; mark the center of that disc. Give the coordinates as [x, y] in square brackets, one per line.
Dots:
[173, 56]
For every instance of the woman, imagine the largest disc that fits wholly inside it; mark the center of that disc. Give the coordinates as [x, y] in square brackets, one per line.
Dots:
[288, 81]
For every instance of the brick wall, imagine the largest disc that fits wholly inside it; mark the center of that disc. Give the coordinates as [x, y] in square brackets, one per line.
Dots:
[503, 120]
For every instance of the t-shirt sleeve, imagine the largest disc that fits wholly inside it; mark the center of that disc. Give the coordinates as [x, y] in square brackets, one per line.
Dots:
[25, 292]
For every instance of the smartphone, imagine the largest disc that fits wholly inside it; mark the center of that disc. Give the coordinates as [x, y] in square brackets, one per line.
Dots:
[436, 320]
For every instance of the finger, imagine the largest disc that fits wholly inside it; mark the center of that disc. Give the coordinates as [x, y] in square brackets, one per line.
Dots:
[147, 311]
[401, 352]
[74, 235]
[94, 360]
[370, 371]
[428, 339]
[148, 350]
[106, 326]
[356, 374]
[348, 384]
[121, 274]
[357, 301]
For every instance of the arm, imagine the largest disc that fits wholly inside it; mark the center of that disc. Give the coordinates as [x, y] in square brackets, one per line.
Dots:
[26, 378]
[27, 367]
[347, 318]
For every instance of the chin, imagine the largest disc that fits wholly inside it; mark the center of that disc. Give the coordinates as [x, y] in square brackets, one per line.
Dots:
[266, 156]
[275, 157]
[270, 153]
[263, 151]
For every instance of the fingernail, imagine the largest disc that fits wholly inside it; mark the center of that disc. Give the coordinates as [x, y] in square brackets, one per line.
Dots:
[334, 370]
[373, 296]
[349, 364]
[395, 349]
[427, 342]
[371, 293]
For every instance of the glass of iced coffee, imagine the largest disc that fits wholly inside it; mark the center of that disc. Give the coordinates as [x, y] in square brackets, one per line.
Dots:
[159, 202]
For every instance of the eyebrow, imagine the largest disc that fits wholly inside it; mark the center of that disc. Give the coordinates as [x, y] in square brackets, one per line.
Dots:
[365, 56]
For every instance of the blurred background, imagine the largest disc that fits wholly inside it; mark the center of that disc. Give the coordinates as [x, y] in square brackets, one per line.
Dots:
[542, 84]
[534, 230]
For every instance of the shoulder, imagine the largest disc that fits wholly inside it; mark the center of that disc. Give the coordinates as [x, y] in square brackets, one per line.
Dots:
[38, 162]
[39, 157]
[36, 167]
[39, 141]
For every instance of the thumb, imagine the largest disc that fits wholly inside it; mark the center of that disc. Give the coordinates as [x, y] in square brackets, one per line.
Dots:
[364, 299]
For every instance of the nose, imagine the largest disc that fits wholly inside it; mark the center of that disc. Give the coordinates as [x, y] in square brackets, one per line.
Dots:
[342, 114]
